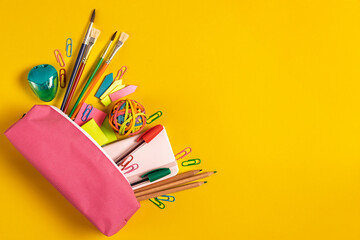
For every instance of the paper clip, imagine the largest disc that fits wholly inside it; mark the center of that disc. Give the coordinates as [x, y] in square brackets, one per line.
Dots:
[68, 47]
[125, 163]
[184, 152]
[59, 58]
[86, 112]
[166, 198]
[158, 203]
[120, 73]
[191, 162]
[131, 168]
[62, 74]
[153, 117]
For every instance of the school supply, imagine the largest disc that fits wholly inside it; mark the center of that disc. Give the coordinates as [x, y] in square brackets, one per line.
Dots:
[122, 93]
[183, 153]
[174, 183]
[43, 80]
[158, 203]
[107, 130]
[76, 166]
[127, 117]
[153, 176]
[153, 155]
[78, 60]
[88, 112]
[191, 162]
[119, 44]
[94, 34]
[115, 86]
[169, 180]
[104, 85]
[166, 198]
[153, 117]
[68, 47]
[171, 190]
[144, 138]
[92, 75]
[59, 58]
[95, 132]
[62, 77]
[131, 168]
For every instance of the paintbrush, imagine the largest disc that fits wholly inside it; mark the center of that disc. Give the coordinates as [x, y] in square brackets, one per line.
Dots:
[123, 37]
[94, 34]
[78, 60]
[107, 47]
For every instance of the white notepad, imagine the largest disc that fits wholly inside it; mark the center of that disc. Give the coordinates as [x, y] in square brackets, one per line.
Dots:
[153, 155]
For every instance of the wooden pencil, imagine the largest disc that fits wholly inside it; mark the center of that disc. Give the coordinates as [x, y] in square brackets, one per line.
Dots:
[175, 183]
[169, 180]
[171, 190]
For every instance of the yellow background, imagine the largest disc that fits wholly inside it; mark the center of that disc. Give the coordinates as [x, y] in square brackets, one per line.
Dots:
[265, 92]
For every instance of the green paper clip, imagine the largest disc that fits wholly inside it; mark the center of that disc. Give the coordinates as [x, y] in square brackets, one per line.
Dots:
[166, 198]
[153, 117]
[191, 162]
[158, 203]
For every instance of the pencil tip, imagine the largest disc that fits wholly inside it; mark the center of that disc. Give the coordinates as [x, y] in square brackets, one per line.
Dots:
[113, 36]
[205, 182]
[200, 170]
[215, 171]
[92, 16]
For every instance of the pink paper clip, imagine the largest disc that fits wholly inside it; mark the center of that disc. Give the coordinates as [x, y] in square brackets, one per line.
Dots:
[120, 73]
[183, 153]
[131, 168]
[125, 163]
[59, 58]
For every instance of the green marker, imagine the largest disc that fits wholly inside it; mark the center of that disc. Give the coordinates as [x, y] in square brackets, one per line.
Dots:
[92, 75]
[153, 175]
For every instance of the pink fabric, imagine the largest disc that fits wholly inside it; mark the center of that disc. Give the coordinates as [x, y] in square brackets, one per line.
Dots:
[95, 113]
[122, 92]
[75, 166]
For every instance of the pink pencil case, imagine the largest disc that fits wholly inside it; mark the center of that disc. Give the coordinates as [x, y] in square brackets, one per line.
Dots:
[76, 166]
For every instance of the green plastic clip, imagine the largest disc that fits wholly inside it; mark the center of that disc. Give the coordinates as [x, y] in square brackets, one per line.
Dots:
[157, 202]
[191, 162]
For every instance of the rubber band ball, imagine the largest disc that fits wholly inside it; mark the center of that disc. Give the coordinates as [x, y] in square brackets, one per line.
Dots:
[127, 117]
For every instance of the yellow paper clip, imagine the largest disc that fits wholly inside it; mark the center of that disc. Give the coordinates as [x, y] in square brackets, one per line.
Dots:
[153, 117]
[59, 58]
[183, 153]
[62, 77]
[158, 203]
[68, 47]
[191, 162]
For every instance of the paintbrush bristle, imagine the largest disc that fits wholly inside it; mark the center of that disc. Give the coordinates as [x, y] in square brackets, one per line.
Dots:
[113, 36]
[95, 33]
[92, 16]
[123, 37]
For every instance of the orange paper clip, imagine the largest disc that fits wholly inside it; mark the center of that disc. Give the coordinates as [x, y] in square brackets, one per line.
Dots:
[62, 77]
[183, 153]
[59, 58]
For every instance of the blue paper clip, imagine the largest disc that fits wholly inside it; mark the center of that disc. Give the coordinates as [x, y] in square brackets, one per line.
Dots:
[68, 47]
[86, 113]
[166, 198]
[158, 203]
[191, 162]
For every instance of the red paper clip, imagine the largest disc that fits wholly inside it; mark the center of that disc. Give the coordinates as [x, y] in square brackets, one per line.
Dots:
[59, 58]
[125, 163]
[183, 153]
[62, 76]
[131, 168]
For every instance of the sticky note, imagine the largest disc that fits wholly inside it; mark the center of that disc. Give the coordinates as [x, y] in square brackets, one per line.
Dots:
[95, 132]
[113, 86]
[122, 92]
[108, 131]
[88, 112]
[104, 85]
[106, 101]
